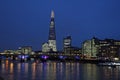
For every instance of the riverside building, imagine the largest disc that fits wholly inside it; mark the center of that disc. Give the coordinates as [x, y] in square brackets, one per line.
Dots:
[101, 48]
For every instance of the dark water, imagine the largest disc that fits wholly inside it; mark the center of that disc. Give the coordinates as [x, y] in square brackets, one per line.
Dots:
[57, 71]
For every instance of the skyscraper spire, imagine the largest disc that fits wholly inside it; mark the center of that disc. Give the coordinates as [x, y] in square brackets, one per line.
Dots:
[52, 34]
[52, 14]
[51, 44]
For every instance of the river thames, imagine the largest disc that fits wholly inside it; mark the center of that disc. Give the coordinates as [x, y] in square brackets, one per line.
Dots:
[10, 70]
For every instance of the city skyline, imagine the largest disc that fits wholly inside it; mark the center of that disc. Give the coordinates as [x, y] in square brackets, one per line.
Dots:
[25, 23]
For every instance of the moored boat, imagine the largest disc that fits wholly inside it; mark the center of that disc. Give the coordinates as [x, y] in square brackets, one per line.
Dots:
[109, 64]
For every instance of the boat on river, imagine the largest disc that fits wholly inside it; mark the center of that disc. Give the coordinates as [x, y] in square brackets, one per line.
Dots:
[109, 64]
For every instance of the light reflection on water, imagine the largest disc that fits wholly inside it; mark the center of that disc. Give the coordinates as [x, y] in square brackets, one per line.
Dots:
[57, 71]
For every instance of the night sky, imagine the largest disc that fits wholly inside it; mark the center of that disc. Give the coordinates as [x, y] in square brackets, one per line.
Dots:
[26, 22]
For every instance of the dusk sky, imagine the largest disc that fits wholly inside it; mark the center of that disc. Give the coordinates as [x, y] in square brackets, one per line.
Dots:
[26, 22]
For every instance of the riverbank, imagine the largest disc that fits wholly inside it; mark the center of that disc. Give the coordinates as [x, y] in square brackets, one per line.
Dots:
[92, 61]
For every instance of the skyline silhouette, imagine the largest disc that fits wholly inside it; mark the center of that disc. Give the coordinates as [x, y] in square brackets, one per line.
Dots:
[26, 22]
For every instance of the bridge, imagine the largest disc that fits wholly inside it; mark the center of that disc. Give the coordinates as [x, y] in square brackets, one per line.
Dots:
[42, 57]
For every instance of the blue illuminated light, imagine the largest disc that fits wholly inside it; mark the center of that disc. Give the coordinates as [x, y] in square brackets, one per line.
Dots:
[23, 56]
[44, 57]
[61, 57]
[77, 57]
